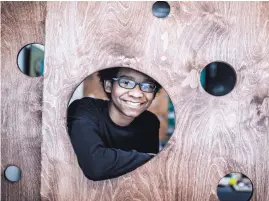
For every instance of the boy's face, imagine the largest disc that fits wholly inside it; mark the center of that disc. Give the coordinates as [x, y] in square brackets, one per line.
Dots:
[130, 102]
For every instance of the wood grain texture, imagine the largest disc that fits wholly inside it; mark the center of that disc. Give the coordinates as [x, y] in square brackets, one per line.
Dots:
[213, 135]
[21, 100]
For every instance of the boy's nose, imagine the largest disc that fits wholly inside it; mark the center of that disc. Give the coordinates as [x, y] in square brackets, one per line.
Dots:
[136, 92]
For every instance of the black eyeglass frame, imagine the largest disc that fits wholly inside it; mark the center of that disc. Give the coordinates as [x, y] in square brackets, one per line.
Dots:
[136, 83]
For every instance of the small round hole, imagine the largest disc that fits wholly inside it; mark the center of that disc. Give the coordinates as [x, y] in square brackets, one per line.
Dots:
[31, 60]
[235, 186]
[161, 9]
[13, 173]
[218, 78]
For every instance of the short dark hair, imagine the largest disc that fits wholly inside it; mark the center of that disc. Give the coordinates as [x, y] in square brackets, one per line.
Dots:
[109, 73]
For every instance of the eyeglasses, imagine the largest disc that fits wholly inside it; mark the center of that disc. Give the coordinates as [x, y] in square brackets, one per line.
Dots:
[130, 84]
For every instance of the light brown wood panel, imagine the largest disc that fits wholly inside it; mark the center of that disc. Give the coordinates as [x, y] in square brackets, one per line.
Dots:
[21, 100]
[213, 135]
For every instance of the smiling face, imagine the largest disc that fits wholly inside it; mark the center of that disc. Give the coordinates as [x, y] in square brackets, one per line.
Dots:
[126, 104]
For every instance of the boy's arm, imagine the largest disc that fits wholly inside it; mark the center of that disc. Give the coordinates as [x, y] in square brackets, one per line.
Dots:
[96, 161]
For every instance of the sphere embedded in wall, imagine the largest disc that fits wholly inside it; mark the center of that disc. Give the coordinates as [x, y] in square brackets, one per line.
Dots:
[13, 173]
[161, 9]
[235, 186]
[218, 78]
[30, 60]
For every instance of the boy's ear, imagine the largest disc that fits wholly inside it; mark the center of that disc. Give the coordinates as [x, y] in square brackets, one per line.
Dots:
[108, 86]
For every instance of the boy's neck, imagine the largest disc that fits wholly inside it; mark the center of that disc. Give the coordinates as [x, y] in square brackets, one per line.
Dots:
[117, 117]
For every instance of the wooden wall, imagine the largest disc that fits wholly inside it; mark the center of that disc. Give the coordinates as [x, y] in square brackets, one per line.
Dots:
[213, 135]
[21, 100]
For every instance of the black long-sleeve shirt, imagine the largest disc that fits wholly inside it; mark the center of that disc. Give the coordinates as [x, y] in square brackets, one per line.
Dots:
[104, 149]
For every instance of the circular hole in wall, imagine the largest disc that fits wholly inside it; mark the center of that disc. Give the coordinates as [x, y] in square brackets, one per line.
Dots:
[31, 60]
[235, 187]
[161, 9]
[13, 173]
[124, 116]
[218, 78]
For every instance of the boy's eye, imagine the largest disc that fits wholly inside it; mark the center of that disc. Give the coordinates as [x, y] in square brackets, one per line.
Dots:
[126, 83]
[148, 86]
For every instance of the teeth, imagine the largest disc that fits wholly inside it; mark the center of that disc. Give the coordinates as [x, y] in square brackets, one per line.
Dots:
[132, 103]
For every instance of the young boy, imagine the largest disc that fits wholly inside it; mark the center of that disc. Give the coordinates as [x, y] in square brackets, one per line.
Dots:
[111, 138]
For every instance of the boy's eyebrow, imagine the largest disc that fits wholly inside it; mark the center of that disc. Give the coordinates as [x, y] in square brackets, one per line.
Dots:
[132, 78]
[125, 76]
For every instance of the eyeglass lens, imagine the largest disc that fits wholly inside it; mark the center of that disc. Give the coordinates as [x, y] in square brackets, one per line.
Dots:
[130, 84]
